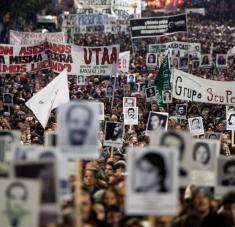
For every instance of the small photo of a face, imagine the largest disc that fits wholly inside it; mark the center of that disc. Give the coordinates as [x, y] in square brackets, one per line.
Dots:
[221, 60]
[109, 91]
[130, 115]
[166, 96]
[226, 172]
[129, 102]
[231, 120]
[201, 153]
[157, 120]
[80, 80]
[150, 92]
[181, 111]
[8, 99]
[130, 78]
[196, 125]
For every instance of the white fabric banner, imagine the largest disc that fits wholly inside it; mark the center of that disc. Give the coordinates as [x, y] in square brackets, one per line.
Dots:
[50, 97]
[29, 38]
[197, 11]
[124, 61]
[191, 88]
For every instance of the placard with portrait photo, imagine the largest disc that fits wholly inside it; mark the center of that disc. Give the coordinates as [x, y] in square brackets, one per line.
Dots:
[81, 80]
[156, 121]
[166, 96]
[203, 162]
[152, 60]
[196, 126]
[213, 136]
[221, 60]
[20, 201]
[152, 185]
[225, 175]
[129, 102]
[205, 61]
[183, 63]
[78, 128]
[109, 91]
[130, 115]
[114, 132]
[181, 111]
[150, 93]
[8, 99]
[230, 117]
[9, 139]
[46, 172]
[131, 78]
[182, 142]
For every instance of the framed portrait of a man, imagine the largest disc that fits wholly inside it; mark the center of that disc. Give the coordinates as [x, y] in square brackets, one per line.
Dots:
[130, 115]
[150, 93]
[129, 102]
[78, 128]
[196, 126]
[152, 177]
[156, 121]
[181, 111]
[20, 201]
[166, 96]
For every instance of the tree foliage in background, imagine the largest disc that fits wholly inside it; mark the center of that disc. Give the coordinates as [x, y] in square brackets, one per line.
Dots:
[21, 8]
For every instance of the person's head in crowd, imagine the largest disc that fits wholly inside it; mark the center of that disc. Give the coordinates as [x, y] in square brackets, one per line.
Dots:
[78, 120]
[229, 173]
[110, 197]
[85, 205]
[154, 107]
[108, 169]
[152, 167]
[90, 180]
[201, 153]
[114, 215]
[114, 118]
[201, 197]
[119, 167]
[99, 209]
[228, 202]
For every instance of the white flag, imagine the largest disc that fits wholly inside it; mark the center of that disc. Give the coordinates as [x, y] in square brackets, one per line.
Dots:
[53, 95]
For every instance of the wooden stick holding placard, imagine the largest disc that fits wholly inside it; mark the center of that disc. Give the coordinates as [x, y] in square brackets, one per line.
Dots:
[152, 221]
[233, 142]
[78, 215]
[112, 150]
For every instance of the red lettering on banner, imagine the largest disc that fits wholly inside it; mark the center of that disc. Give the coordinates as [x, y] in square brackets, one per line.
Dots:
[97, 51]
[5, 50]
[114, 56]
[87, 60]
[105, 56]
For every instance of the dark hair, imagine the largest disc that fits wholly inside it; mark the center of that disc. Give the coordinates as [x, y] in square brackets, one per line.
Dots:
[205, 145]
[229, 119]
[17, 185]
[195, 119]
[228, 198]
[228, 165]
[70, 110]
[177, 136]
[157, 161]
[131, 109]
[152, 55]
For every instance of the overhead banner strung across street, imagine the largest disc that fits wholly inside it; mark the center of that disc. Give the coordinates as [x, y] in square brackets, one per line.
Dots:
[158, 26]
[191, 88]
[78, 60]
[28, 38]
[102, 6]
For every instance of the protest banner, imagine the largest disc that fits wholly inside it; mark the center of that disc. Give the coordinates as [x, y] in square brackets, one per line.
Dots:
[178, 51]
[123, 61]
[158, 26]
[201, 11]
[191, 88]
[31, 38]
[121, 9]
[77, 60]
[94, 5]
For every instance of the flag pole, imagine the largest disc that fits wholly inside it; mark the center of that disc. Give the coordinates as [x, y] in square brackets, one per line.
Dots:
[114, 87]
[78, 186]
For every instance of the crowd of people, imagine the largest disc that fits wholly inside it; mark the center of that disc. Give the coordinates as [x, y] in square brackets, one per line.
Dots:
[103, 180]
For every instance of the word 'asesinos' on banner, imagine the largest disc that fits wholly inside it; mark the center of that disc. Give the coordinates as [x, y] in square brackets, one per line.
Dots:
[78, 60]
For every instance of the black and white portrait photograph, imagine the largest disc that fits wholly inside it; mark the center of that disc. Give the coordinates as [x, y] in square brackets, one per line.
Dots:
[8, 141]
[101, 111]
[80, 80]
[78, 128]
[183, 63]
[152, 177]
[230, 115]
[152, 59]
[181, 111]
[131, 78]
[20, 201]
[126, 90]
[8, 99]
[130, 115]
[203, 162]
[114, 132]
[213, 135]
[46, 172]
[157, 121]
[109, 91]
[205, 60]
[150, 93]
[180, 141]
[166, 96]
[129, 102]
[225, 175]
[196, 126]
[221, 60]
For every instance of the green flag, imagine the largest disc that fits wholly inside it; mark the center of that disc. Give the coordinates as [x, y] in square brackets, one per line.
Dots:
[162, 80]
